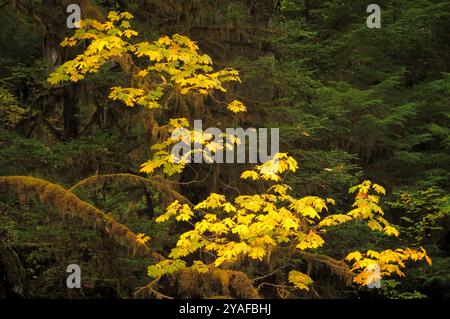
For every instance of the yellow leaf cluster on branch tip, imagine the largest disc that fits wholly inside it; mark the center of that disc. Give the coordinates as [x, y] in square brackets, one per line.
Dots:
[250, 175]
[300, 280]
[389, 262]
[280, 190]
[309, 241]
[333, 220]
[252, 227]
[271, 170]
[227, 207]
[106, 43]
[391, 231]
[11, 111]
[173, 164]
[309, 206]
[213, 201]
[185, 213]
[179, 123]
[199, 266]
[171, 63]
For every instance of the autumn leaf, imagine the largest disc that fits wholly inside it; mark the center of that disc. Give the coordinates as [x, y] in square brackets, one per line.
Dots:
[300, 280]
[250, 175]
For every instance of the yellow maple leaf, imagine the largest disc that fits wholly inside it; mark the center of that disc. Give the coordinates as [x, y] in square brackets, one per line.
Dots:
[391, 231]
[374, 225]
[236, 107]
[257, 253]
[143, 73]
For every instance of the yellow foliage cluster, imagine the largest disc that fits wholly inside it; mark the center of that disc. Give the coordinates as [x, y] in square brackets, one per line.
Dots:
[68, 204]
[300, 280]
[236, 107]
[272, 169]
[11, 112]
[366, 208]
